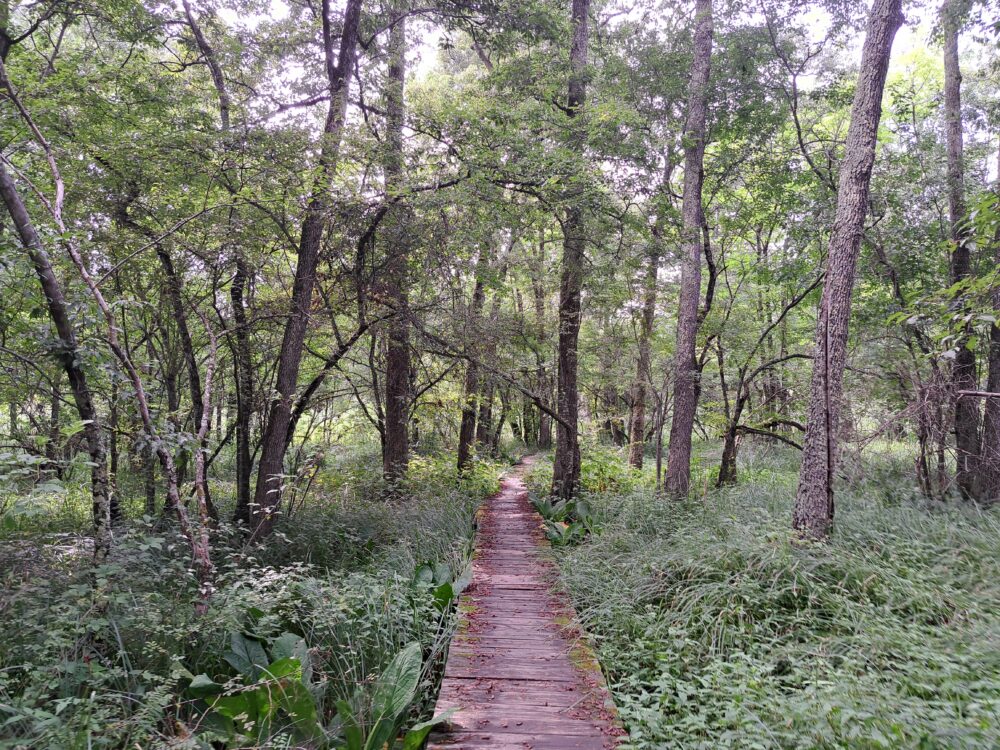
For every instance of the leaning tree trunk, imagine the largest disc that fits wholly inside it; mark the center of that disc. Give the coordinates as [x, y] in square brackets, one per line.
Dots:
[396, 455]
[686, 374]
[637, 432]
[963, 375]
[71, 361]
[813, 513]
[267, 496]
[566, 463]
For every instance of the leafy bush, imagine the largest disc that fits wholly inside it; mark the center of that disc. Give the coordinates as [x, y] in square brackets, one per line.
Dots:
[296, 630]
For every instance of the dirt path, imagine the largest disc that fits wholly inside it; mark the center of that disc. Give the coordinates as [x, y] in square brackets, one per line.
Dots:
[518, 670]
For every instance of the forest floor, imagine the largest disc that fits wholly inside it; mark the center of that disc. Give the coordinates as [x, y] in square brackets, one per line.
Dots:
[519, 674]
[714, 629]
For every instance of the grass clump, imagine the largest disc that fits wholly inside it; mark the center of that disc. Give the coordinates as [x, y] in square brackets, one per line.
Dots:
[715, 630]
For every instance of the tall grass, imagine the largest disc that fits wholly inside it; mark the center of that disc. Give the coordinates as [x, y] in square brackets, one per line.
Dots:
[717, 631]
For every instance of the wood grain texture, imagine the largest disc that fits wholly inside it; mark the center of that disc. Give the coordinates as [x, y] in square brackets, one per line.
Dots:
[519, 672]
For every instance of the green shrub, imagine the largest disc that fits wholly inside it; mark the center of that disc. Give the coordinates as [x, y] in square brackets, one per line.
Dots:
[326, 605]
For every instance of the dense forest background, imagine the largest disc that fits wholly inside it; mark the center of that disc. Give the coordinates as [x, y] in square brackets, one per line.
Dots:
[287, 283]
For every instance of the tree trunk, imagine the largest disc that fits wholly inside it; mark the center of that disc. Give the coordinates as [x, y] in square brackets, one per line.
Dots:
[174, 294]
[990, 456]
[497, 436]
[467, 430]
[243, 379]
[267, 496]
[71, 361]
[566, 463]
[396, 456]
[484, 422]
[544, 379]
[686, 374]
[637, 432]
[963, 375]
[813, 513]
[727, 465]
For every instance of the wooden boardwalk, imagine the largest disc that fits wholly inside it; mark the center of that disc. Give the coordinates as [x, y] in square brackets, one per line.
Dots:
[518, 670]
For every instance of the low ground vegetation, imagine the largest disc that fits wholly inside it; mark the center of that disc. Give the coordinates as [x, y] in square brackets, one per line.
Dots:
[297, 646]
[716, 630]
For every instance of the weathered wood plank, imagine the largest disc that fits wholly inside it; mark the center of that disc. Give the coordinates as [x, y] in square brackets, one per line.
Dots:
[519, 672]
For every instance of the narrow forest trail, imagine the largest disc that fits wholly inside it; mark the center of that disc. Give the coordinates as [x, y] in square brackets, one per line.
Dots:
[518, 671]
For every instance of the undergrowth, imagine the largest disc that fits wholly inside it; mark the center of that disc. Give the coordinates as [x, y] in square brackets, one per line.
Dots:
[716, 631]
[343, 586]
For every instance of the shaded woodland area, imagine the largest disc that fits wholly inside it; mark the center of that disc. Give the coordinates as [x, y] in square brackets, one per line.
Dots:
[288, 285]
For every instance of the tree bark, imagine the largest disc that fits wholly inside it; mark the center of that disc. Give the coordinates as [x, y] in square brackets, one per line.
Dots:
[963, 374]
[989, 467]
[484, 422]
[243, 378]
[566, 463]
[267, 496]
[544, 378]
[467, 430]
[687, 373]
[637, 431]
[814, 507]
[174, 295]
[397, 366]
[69, 357]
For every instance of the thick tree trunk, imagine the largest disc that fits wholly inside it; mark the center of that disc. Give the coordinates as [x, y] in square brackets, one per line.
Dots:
[566, 463]
[963, 374]
[396, 456]
[687, 374]
[70, 359]
[467, 430]
[813, 513]
[637, 431]
[267, 496]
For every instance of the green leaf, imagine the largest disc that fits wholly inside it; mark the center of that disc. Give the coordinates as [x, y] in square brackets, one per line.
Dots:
[247, 656]
[442, 573]
[443, 595]
[240, 707]
[397, 686]
[424, 574]
[414, 739]
[296, 701]
[292, 646]
[283, 668]
[202, 686]
[463, 581]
